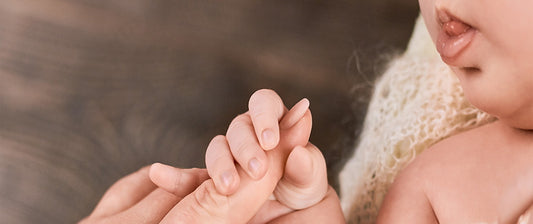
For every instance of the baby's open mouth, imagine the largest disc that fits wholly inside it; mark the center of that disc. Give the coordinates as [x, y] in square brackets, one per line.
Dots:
[454, 37]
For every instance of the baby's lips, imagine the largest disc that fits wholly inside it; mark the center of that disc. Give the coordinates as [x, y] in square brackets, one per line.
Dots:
[455, 28]
[454, 38]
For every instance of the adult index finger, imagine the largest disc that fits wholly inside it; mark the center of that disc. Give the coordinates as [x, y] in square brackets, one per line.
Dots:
[207, 205]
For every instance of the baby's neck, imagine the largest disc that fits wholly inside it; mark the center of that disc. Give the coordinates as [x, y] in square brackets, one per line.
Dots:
[515, 136]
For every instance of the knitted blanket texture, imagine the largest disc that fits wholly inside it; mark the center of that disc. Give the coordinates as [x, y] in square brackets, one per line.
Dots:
[417, 102]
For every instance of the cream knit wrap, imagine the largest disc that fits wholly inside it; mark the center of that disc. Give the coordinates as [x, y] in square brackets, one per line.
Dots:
[417, 102]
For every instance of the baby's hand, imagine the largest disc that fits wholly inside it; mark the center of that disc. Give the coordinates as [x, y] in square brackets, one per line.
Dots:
[268, 126]
[292, 169]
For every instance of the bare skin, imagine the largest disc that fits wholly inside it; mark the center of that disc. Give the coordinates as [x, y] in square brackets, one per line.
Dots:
[480, 176]
[484, 175]
[290, 168]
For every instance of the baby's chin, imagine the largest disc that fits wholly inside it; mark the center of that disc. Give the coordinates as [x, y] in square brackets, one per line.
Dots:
[507, 111]
[522, 122]
[488, 96]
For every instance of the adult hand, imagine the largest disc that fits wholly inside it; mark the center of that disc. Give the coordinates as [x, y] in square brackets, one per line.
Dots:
[136, 199]
[265, 126]
[304, 181]
[207, 205]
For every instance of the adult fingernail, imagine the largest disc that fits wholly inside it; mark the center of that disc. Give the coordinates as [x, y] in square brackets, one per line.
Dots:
[226, 178]
[269, 139]
[253, 166]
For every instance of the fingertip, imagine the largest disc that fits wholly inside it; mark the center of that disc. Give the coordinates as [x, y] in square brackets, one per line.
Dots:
[257, 168]
[266, 109]
[305, 166]
[158, 173]
[221, 166]
[299, 167]
[299, 133]
[155, 166]
[227, 178]
[153, 171]
[296, 113]
[304, 103]
[227, 183]
[307, 101]
[245, 147]
[305, 178]
[270, 138]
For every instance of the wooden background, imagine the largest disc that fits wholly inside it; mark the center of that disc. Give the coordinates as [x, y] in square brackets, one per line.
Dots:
[93, 90]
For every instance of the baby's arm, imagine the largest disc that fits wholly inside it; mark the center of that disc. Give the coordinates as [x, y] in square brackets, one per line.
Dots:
[406, 200]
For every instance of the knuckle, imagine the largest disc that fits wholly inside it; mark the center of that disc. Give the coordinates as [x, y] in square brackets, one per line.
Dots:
[209, 203]
[263, 92]
[177, 183]
[238, 138]
[219, 138]
[266, 97]
[242, 149]
[263, 115]
[242, 120]
[213, 147]
[201, 176]
[216, 152]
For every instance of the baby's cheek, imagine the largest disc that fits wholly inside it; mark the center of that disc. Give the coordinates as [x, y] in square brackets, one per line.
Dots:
[427, 8]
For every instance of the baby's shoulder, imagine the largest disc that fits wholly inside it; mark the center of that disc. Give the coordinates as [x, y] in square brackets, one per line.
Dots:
[467, 177]
[493, 143]
[461, 148]
[478, 145]
[465, 171]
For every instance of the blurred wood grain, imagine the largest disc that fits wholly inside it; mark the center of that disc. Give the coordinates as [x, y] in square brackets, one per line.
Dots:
[93, 90]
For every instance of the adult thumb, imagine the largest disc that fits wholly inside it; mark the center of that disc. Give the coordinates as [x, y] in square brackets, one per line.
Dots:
[207, 205]
[304, 182]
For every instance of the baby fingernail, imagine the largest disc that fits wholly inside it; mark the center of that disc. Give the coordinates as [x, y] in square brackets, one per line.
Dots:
[254, 165]
[227, 178]
[269, 139]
